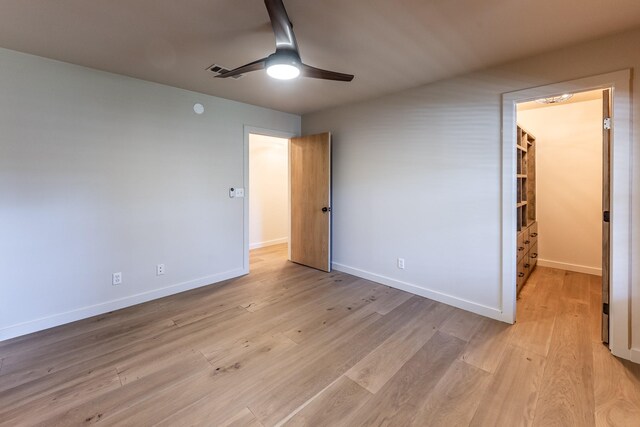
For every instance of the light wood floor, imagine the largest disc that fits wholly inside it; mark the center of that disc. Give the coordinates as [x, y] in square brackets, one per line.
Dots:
[291, 345]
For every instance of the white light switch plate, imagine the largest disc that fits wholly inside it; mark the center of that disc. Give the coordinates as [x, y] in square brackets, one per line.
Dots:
[239, 192]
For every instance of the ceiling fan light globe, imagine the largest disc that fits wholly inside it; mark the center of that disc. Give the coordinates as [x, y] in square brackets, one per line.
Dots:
[283, 71]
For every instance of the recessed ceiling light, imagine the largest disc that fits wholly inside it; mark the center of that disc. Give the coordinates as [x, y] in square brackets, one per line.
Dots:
[198, 108]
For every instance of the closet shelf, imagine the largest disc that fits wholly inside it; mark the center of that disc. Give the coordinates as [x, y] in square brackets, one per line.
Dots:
[527, 228]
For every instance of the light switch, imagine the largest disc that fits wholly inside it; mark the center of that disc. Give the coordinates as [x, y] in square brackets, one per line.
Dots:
[239, 192]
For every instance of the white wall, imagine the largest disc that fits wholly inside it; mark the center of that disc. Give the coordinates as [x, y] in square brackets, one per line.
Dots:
[101, 173]
[268, 190]
[418, 175]
[569, 184]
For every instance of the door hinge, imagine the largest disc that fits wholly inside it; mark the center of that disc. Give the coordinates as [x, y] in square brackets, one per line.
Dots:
[607, 123]
[605, 308]
[606, 216]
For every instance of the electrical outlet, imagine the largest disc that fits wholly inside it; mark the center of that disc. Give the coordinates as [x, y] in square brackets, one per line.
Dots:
[116, 279]
[401, 263]
[159, 269]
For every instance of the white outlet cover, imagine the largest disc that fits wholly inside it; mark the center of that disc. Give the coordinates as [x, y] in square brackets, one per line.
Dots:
[116, 278]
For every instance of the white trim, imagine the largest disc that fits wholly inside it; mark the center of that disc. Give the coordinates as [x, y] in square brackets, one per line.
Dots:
[116, 304]
[454, 301]
[621, 175]
[570, 267]
[330, 236]
[264, 244]
[247, 129]
[635, 355]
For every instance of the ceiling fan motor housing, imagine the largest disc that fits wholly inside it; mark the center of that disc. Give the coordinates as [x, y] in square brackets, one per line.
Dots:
[284, 56]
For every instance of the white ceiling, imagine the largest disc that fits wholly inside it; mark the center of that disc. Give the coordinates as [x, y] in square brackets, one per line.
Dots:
[388, 45]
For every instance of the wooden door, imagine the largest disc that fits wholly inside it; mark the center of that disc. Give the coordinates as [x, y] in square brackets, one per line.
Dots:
[606, 205]
[310, 173]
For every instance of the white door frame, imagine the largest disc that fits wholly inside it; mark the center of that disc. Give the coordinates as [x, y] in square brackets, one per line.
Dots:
[248, 130]
[621, 174]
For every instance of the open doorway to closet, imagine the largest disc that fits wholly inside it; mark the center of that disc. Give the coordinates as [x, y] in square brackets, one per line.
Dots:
[288, 198]
[562, 183]
[567, 314]
[269, 194]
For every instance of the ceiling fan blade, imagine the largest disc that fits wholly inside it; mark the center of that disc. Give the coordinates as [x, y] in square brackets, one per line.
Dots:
[282, 27]
[252, 66]
[317, 73]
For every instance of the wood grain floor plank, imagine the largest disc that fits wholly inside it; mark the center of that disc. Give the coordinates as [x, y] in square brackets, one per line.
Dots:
[397, 402]
[94, 344]
[566, 393]
[328, 312]
[244, 418]
[333, 406]
[222, 386]
[455, 399]
[52, 385]
[375, 369]
[616, 389]
[142, 351]
[21, 372]
[533, 329]
[284, 371]
[487, 345]
[64, 398]
[510, 399]
[317, 365]
[231, 354]
[576, 287]
[462, 324]
[389, 299]
[547, 289]
[115, 401]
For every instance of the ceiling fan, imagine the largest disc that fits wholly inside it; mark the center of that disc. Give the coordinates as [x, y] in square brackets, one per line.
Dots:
[285, 63]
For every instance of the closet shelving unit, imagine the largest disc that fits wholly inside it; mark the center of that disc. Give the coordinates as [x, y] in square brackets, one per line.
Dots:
[527, 227]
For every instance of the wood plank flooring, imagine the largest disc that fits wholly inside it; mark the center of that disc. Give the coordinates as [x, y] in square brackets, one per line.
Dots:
[288, 345]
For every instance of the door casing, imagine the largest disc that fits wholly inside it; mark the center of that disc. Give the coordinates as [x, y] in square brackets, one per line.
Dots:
[621, 172]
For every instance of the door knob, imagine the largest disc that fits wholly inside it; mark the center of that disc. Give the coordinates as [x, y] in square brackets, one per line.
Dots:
[326, 209]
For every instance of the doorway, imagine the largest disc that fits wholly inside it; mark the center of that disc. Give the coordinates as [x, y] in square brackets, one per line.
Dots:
[269, 193]
[562, 188]
[272, 159]
[620, 146]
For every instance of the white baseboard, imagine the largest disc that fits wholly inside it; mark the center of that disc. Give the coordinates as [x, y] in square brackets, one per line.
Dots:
[268, 243]
[570, 267]
[623, 352]
[461, 303]
[105, 307]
